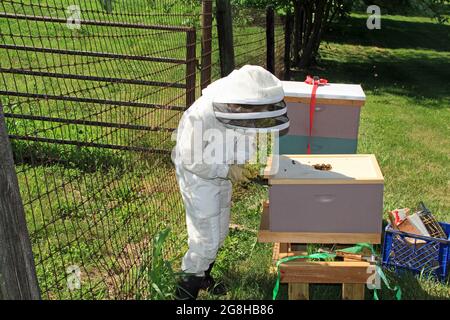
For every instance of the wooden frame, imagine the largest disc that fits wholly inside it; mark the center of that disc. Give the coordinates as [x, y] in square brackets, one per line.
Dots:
[325, 272]
[378, 179]
[299, 274]
[337, 102]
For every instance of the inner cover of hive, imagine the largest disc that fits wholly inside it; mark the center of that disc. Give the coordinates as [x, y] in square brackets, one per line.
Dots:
[344, 168]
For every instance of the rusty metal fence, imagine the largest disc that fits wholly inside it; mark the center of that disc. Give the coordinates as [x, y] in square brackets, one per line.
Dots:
[249, 34]
[91, 93]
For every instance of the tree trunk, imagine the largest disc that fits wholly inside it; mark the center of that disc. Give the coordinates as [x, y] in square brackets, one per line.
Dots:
[298, 31]
[311, 18]
[314, 35]
[323, 25]
[308, 22]
[287, 46]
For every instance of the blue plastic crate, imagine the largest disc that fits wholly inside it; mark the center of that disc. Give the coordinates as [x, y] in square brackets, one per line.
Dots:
[403, 250]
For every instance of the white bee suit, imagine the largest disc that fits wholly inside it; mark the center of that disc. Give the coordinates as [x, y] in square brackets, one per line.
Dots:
[204, 150]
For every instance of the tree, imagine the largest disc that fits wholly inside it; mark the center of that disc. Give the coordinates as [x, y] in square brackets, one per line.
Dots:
[311, 18]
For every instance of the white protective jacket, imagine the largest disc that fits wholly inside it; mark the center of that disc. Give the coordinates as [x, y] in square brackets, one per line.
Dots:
[204, 150]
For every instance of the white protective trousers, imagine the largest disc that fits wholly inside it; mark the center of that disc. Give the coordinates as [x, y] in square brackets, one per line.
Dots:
[203, 182]
[205, 148]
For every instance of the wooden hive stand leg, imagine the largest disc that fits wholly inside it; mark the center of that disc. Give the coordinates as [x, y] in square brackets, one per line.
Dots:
[298, 291]
[284, 247]
[353, 291]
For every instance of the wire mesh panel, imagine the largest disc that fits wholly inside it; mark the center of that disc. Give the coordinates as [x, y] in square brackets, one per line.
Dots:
[92, 92]
[249, 35]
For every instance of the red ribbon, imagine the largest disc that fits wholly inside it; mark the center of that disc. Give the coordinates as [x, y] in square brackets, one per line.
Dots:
[315, 82]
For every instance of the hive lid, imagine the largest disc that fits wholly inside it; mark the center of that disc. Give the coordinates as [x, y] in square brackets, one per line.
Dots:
[346, 169]
[337, 91]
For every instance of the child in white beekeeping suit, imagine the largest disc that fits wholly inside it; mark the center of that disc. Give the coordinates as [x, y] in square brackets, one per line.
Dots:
[208, 156]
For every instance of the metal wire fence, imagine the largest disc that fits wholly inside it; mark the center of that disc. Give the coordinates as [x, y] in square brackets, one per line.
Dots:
[249, 34]
[92, 92]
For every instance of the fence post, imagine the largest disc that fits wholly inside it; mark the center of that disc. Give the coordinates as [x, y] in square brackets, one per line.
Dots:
[270, 39]
[17, 271]
[191, 63]
[225, 35]
[205, 78]
[287, 46]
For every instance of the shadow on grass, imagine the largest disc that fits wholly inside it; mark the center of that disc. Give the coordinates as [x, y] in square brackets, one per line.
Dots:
[414, 287]
[394, 9]
[409, 73]
[394, 34]
[414, 78]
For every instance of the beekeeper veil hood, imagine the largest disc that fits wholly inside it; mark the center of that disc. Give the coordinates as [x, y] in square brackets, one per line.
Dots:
[250, 98]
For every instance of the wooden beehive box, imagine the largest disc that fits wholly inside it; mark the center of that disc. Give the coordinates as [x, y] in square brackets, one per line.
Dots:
[336, 118]
[345, 202]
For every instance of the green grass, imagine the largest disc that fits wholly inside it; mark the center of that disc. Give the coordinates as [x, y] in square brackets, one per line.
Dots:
[404, 70]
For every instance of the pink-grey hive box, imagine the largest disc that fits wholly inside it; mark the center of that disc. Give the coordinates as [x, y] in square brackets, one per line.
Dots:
[348, 199]
[336, 118]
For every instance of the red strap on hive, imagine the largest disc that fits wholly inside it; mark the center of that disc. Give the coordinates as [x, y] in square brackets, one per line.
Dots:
[310, 80]
[315, 82]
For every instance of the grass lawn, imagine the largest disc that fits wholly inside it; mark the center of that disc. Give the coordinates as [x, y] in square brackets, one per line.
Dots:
[404, 70]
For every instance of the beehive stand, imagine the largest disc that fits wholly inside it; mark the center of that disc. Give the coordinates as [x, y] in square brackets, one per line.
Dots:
[300, 273]
[339, 206]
